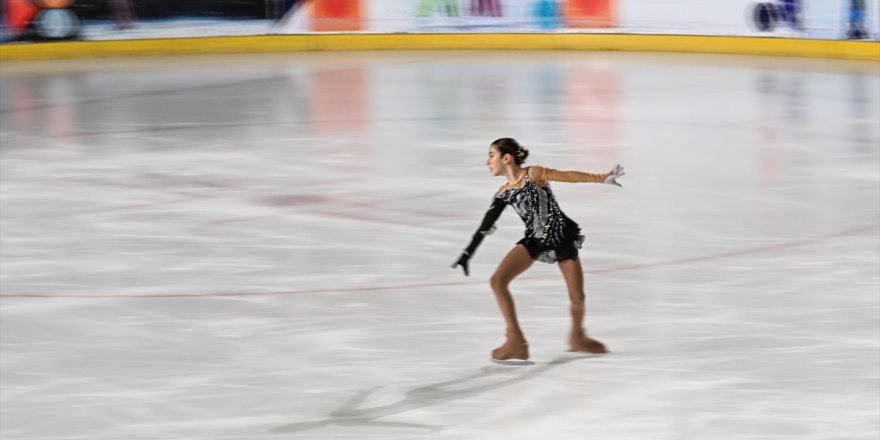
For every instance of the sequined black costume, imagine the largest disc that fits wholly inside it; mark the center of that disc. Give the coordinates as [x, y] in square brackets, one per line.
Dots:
[550, 235]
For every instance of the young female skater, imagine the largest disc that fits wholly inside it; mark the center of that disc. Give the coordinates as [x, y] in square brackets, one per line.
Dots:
[550, 237]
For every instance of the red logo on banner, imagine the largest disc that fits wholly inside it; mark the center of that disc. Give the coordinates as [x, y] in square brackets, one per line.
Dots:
[590, 13]
[336, 15]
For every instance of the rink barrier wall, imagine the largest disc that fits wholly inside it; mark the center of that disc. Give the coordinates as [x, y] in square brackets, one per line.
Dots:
[770, 46]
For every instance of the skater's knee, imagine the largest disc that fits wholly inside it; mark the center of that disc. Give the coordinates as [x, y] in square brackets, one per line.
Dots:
[498, 283]
[577, 298]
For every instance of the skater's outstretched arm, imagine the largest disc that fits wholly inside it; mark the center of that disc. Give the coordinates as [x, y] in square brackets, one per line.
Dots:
[543, 174]
[486, 228]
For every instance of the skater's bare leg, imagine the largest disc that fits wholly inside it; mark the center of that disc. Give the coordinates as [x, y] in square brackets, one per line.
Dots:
[515, 263]
[573, 273]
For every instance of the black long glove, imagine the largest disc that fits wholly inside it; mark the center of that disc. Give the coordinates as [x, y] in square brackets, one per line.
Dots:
[486, 228]
[463, 262]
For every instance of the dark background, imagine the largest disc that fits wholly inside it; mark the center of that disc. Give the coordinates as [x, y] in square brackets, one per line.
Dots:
[153, 9]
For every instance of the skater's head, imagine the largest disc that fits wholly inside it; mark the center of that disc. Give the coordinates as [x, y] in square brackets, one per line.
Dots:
[505, 153]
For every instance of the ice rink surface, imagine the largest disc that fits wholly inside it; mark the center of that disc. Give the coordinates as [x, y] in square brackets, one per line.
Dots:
[258, 247]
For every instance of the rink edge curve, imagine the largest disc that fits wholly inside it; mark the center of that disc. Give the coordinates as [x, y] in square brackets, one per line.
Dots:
[768, 46]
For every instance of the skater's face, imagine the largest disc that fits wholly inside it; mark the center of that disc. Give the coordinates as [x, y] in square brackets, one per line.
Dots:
[497, 162]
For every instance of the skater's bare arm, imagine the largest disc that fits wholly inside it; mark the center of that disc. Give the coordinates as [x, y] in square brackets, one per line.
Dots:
[542, 175]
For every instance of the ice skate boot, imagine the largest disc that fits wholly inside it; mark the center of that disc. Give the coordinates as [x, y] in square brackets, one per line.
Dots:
[581, 343]
[514, 351]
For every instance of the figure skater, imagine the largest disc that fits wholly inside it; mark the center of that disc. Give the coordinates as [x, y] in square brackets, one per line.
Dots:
[550, 237]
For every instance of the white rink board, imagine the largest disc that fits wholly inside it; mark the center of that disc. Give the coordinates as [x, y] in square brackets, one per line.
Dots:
[823, 19]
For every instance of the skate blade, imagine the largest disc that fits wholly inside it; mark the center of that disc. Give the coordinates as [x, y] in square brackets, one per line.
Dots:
[587, 353]
[512, 361]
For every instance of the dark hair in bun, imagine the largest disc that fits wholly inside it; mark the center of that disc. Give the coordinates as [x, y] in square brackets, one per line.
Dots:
[512, 147]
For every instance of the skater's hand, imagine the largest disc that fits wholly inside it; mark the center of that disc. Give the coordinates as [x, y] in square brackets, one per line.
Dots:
[614, 174]
[463, 262]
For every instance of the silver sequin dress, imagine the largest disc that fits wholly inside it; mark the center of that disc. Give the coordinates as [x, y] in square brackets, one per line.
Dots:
[550, 235]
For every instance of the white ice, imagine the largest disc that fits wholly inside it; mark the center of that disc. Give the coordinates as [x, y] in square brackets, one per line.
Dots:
[258, 247]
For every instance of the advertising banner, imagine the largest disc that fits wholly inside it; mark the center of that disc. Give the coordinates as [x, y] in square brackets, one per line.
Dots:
[336, 16]
[430, 16]
[44, 20]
